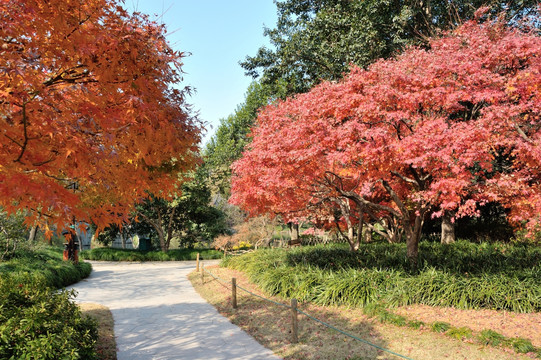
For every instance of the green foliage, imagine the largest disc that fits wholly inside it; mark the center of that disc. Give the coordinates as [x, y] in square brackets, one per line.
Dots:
[459, 333]
[522, 345]
[319, 39]
[189, 216]
[107, 254]
[440, 326]
[44, 266]
[462, 275]
[37, 321]
[415, 324]
[13, 234]
[490, 337]
[231, 137]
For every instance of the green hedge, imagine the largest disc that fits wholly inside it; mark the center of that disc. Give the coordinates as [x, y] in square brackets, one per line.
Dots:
[109, 254]
[463, 275]
[36, 320]
[45, 266]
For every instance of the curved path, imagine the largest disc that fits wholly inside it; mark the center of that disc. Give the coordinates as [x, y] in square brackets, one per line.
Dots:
[158, 314]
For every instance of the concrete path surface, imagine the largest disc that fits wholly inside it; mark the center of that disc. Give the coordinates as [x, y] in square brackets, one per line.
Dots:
[158, 314]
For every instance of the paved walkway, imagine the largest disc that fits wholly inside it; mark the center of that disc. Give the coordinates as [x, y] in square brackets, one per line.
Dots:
[158, 314]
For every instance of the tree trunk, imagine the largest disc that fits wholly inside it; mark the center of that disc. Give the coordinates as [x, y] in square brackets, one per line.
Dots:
[360, 229]
[352, 239]
[412, 242]
[367, 234]
[294, 231]
[122, 240]
[33, 233]
[447, 230]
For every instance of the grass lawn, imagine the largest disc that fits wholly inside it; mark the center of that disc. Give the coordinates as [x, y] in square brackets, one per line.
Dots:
[106, 344]
[269, 324]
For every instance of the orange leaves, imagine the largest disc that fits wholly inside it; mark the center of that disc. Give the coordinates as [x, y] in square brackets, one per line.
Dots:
[95, 81]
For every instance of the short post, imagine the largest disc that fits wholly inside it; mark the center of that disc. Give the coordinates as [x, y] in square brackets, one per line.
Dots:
[294, 322]
[202, 274]
[197, 263]
[234, 292]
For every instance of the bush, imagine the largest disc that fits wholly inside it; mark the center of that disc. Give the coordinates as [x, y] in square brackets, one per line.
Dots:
[108, 254]
[44, 266]
[38, 320]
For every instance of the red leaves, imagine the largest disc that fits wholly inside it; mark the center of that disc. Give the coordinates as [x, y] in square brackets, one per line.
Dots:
[429, 124]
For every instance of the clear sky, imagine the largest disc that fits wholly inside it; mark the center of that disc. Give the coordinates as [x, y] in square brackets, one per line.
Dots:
[218, 34]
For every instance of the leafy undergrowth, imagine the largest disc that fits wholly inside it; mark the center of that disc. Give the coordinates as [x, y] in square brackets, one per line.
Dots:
[37, 320]
[270, 325]
[461, 275]
[109, 254]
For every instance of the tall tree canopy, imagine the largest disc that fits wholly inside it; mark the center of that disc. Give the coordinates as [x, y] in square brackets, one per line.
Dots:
[318, 40]
[231, 137]
[408, 138]
[90, 122]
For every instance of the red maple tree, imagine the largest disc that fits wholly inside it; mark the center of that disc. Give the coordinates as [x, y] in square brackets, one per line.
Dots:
[434, 132]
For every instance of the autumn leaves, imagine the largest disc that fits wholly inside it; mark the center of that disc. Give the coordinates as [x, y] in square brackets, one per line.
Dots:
[87, 99]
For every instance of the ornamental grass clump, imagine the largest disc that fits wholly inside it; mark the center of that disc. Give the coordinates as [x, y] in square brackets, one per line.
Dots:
[465, 276]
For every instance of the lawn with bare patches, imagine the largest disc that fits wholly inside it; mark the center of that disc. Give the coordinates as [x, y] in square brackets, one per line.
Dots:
[106, 346]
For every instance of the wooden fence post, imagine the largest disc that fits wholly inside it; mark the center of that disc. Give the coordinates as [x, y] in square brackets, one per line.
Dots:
[294, 322]
[202, 274]
[197, 263]
[234, 292]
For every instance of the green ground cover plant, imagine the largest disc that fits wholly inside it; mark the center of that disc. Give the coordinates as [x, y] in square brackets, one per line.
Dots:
[37, 320]
[44, 265]
[109, 254]
[463, 275]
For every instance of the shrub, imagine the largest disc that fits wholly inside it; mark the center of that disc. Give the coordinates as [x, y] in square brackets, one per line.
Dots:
[44, 266]
[38, 320]
[415, 324]
[522, 345]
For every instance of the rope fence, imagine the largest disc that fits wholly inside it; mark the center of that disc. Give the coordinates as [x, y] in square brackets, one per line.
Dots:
[294, 311]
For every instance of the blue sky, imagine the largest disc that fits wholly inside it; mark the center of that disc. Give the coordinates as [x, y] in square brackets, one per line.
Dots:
[218, 34]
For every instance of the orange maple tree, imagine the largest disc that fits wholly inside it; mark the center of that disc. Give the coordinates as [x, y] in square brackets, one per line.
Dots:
[90, 122]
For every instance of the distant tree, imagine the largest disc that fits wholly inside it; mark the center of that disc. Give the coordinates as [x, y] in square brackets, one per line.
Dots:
[231, 137]
[12, 233]
[188, 216]
[317, 40]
